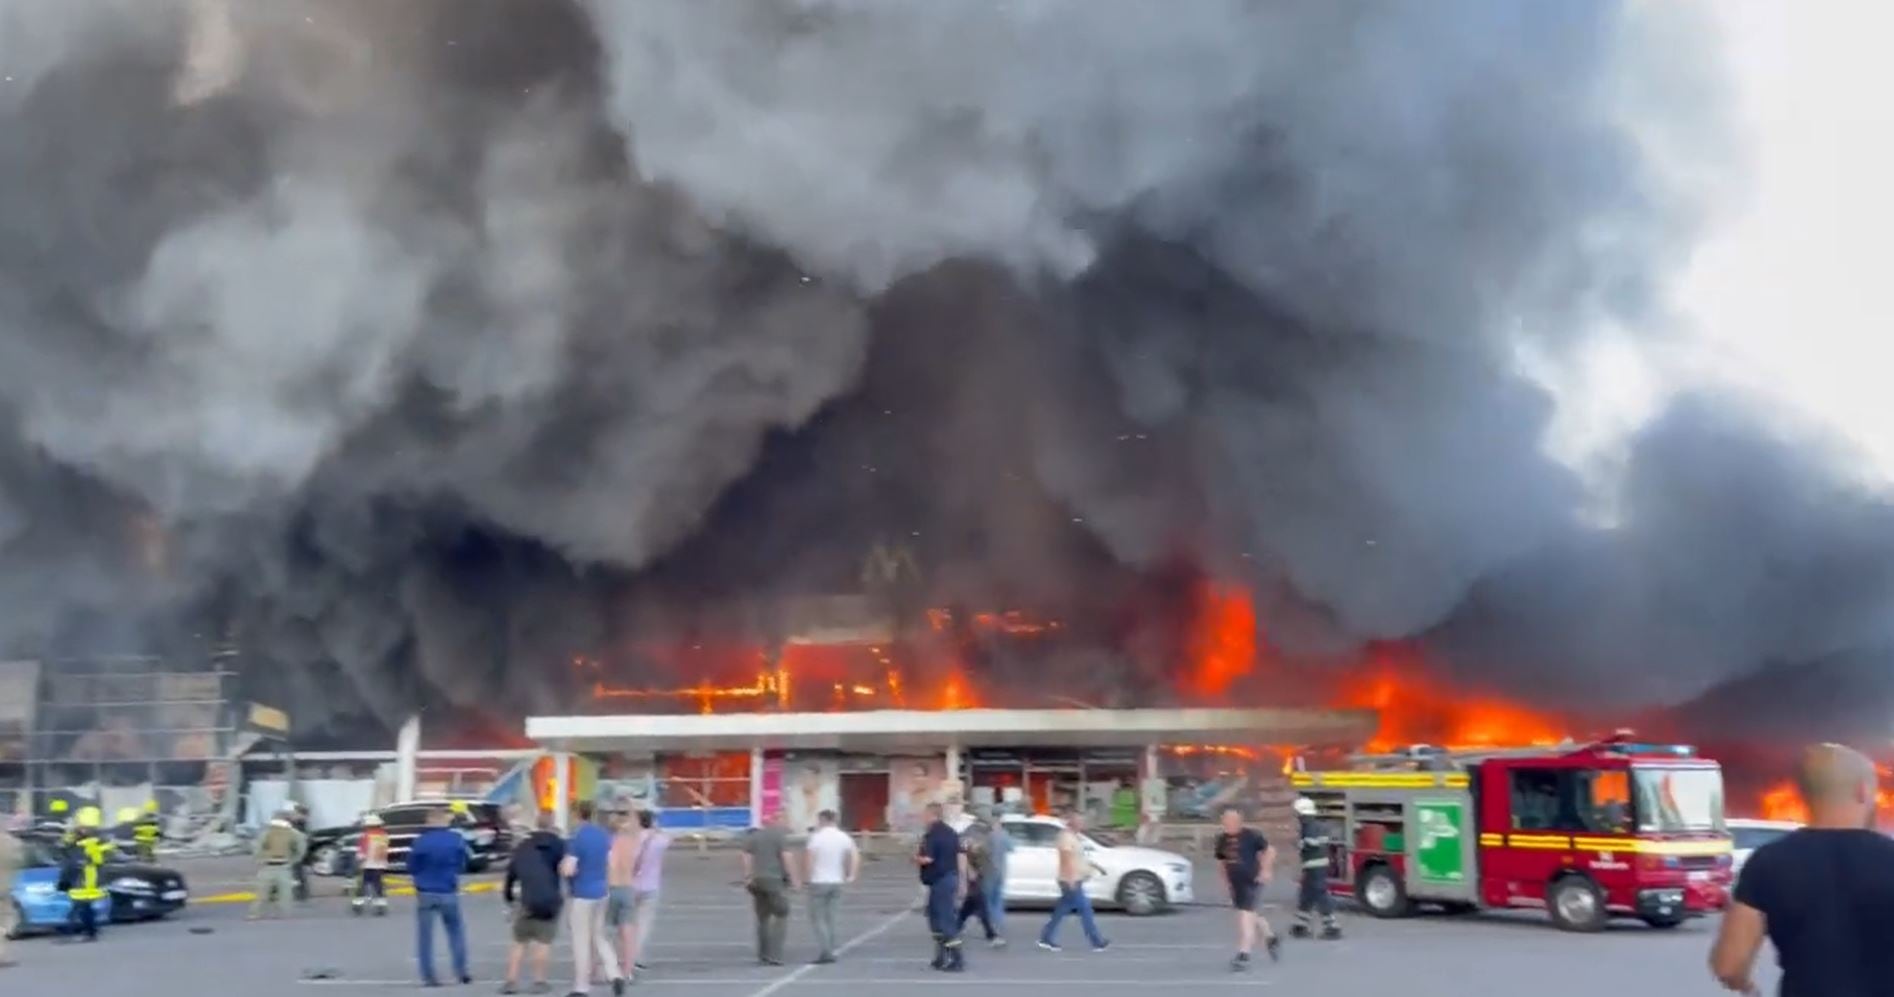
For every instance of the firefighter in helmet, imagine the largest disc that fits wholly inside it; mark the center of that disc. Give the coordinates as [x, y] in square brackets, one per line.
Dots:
[125, 825]
[372, 862]
[1312, 897]
[298, 816]
[58, 818]
[82, 876]
[146, 832]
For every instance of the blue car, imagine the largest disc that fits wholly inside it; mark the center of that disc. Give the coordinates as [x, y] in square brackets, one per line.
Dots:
[37, 903]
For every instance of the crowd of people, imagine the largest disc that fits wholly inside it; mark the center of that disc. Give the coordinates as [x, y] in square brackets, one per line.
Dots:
[1823, 895]
[963, 875]
[602, 881]
[605, 879]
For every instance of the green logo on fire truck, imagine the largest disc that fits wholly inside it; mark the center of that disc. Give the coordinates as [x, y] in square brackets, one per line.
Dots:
[1438, 855]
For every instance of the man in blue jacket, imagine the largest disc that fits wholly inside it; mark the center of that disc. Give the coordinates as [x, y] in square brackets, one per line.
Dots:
[435, 862]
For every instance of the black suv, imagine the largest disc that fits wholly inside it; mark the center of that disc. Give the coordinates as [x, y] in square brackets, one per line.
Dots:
[489, 839]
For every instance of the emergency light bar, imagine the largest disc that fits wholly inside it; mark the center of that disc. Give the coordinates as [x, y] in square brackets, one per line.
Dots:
[1621, 742]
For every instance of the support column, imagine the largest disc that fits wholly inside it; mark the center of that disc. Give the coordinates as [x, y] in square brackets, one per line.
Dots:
[1152, 793]
[756, 787]
[407, 753]
[561, 788]
[953, 795]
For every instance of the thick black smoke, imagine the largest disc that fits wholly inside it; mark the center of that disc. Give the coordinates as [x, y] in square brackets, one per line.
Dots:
[437, 342]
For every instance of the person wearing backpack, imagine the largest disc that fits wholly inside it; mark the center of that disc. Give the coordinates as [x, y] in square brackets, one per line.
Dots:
[532, 893]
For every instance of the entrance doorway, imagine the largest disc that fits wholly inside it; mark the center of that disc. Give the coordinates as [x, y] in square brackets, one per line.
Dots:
[1053, 788]
[865, 801]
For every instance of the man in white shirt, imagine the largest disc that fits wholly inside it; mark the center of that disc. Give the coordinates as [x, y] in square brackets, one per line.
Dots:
[830, 861]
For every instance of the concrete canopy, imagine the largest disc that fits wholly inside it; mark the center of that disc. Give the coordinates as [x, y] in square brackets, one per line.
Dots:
[893, 731]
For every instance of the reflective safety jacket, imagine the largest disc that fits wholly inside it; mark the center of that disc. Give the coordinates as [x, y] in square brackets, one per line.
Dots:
[87, 857]
[1314, 843]
[373, 848]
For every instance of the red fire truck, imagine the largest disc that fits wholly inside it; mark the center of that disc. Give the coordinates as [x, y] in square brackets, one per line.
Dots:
[1615, 828]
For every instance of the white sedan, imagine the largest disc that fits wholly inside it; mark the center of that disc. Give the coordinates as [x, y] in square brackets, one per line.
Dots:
[1750, 835]
[1138, 880]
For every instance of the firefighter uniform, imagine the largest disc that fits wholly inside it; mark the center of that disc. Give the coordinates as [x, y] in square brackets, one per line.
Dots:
[1312, 896]
[85, 862]
[145, 833]
[59, 819]
[278, 852]
[372, 852]
[125, 825]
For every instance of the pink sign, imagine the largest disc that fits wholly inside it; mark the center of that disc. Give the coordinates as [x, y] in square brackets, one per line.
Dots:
[772, 796]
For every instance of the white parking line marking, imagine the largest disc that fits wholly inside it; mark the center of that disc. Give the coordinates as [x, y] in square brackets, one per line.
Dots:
[877, 931]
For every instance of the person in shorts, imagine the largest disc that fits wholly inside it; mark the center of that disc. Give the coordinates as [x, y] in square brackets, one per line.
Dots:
[1248, 861]
[620, 905]
[532, 891]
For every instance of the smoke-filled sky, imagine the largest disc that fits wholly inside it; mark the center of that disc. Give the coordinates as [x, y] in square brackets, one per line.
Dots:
[434, 342]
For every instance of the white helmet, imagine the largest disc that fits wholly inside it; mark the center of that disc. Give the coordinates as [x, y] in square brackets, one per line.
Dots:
[1304, 806]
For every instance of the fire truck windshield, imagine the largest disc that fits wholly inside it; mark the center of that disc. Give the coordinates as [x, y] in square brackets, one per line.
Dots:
[1679, 799]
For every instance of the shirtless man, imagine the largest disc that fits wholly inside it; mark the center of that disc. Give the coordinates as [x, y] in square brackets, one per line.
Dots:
[621, 882]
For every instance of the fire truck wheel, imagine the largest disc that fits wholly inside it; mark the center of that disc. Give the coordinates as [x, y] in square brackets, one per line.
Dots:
[1383, 894]
[1576, 904]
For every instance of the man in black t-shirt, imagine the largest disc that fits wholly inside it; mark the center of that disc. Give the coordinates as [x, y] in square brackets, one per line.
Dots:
[1824, 894]
[1248, 863]
[943, 865]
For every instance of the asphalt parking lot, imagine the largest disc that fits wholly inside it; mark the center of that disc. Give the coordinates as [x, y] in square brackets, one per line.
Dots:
[702, 947]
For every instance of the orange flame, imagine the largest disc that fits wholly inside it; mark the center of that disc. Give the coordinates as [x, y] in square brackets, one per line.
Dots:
[1226, 644]
[954, 693]
[1013, 622]
[1415, 709]
[1783, 800]
[768, 685]
[1223, 639]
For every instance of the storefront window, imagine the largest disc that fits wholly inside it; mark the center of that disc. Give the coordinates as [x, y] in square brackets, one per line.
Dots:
[704, 781]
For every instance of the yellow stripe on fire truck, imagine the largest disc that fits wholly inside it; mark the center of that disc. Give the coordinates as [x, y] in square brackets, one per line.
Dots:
[1544, 841]
[1380, 780]
[1588, 844]
[1489, 840]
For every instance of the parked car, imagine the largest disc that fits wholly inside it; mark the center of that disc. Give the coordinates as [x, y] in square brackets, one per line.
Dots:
[1133, 878]
[1750, 835]
[489, 838]
[138, 891]
[37, 903]
[134, 891]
